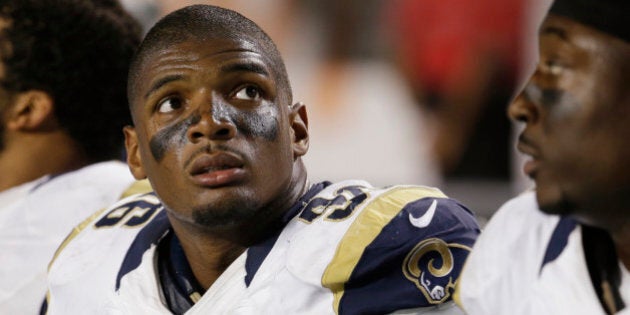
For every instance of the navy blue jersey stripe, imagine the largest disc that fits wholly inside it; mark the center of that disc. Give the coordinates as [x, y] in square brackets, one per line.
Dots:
[150, 234]
[176, 277]
[558, 241]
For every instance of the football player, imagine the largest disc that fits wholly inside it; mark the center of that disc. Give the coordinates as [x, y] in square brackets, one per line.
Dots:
[573, 256]
[63, 70]
[234, 226]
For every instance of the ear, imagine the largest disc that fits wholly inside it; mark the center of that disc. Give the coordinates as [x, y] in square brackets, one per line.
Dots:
[134, 160]
[32, 110]
[299, 127]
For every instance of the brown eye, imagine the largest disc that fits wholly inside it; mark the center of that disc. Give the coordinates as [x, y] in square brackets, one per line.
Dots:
[248, 93]
[169, 104]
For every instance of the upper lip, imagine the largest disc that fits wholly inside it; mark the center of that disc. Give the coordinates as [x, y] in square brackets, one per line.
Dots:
[213, 162]
[526, 146]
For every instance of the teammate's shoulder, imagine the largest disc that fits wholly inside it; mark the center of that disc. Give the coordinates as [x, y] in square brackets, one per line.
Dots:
[519, 219]
[523, 204]
[518, 237]
[132, 211]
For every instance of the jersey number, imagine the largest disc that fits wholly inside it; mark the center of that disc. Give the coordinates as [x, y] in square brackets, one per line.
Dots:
[338, 208]
[132, 214]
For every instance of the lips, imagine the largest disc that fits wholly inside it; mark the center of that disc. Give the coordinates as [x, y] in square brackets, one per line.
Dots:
[526, 147]
[218, 169]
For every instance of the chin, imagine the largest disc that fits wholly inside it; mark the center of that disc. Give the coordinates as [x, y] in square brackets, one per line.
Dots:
[552, 200]
[226, 215]
[553, 208]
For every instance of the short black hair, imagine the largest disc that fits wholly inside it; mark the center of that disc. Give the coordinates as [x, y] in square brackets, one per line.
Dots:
[608, 16]
[78, 51]
[198, 22]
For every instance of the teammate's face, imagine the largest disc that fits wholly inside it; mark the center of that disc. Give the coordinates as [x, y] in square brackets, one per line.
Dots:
[576, 110]
[213, 131]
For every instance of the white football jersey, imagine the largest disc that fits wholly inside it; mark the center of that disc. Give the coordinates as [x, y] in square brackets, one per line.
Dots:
[529, 262]
[34, 219]
[346, 248]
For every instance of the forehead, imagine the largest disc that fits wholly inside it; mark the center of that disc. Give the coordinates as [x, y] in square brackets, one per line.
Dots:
[206, 56]
[583, 46]
[208, 53]
[557, 28]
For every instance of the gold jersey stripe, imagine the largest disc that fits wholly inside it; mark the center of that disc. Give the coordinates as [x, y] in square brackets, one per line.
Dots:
[362, 232]
[138, 187]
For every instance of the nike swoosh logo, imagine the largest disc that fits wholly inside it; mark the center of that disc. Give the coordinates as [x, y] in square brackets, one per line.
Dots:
[425, 219]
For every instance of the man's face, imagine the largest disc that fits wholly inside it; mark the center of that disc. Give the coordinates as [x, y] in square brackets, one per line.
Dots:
[576, 110]
[213, 130]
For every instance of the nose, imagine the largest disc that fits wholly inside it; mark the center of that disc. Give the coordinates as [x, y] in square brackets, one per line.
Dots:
[207, 125]
[522, 109]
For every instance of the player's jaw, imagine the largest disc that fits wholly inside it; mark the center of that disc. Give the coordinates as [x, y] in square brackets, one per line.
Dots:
[549, 194]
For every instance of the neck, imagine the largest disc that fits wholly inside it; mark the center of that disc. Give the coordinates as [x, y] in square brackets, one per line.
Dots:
[208, 256]
[210, 252]
[33, 156]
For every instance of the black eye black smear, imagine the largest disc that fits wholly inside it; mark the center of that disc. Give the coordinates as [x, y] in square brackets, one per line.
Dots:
[174, 134]
[545, 97]
[550, 96]
[256, 125]
[261, 123]
[252, 124]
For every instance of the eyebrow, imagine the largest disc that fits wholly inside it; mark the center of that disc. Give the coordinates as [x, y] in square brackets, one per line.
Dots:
[245, 66]
[553, 30]
[161, 82]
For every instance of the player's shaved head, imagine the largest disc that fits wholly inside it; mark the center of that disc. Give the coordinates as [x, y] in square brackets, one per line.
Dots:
[203, 23]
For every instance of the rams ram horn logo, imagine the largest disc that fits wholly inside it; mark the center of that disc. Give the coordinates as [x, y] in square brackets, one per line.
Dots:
[429, 266]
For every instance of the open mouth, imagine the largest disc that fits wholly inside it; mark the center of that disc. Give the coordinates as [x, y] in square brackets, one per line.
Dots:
[214, 162]
[530, 168]
[210, 169]
[217, 169]
[526, 147]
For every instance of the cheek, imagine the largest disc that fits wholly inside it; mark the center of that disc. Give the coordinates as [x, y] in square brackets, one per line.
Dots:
[171, 137]
[562, 108]
[262, 123]
[168, 184]
[586, 162]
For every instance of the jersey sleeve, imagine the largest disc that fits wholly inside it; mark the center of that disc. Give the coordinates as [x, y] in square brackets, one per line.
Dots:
[414, 260]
